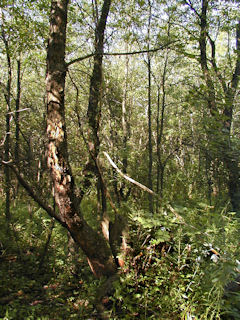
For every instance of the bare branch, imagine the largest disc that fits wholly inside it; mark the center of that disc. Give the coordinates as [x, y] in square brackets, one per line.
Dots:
[189, 3]
[79, 59]
[127, 177]
[25, 109]
[119, 53]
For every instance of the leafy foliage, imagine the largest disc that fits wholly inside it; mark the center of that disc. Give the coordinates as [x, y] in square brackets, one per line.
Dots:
[180, 272]
[179, 260]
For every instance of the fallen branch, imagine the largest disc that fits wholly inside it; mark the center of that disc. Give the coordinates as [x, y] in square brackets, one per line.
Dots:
[127, 177]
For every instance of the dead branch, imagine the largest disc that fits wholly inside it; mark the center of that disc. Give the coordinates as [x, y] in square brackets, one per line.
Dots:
[127, 177]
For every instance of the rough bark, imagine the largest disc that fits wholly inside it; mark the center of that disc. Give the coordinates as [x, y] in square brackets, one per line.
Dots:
[93, 245]
[94, 109]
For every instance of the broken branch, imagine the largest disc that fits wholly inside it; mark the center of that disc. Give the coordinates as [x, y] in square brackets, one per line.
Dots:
[127, 177]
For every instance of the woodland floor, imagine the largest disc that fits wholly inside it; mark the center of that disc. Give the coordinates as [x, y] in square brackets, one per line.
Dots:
[29, 293]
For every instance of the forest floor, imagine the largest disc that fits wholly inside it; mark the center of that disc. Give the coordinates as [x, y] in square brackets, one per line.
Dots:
[29, 293]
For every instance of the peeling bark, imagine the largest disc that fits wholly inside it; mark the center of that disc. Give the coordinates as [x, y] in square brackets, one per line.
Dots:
[93, 245]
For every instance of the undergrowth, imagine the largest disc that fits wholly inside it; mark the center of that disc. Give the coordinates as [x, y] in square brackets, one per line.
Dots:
[177, 266]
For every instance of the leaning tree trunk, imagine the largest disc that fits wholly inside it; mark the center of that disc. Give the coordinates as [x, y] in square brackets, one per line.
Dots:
[92, 243]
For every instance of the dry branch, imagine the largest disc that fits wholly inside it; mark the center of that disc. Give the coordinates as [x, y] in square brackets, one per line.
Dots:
[127, 177]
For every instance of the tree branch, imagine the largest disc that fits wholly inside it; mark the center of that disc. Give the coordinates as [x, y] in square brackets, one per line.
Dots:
[189, 3]
[127, 177]
[33, 194]
[119, 53]
[79, 59]
[214, 64]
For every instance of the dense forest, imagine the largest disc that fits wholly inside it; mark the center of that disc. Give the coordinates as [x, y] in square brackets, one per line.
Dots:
[119, 159]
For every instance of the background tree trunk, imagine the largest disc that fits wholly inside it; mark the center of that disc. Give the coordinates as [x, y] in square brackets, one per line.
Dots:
[7, 127]
[150, 156]
[17, 111]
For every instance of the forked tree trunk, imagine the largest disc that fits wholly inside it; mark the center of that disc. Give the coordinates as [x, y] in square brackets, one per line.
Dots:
[227, 155]
[92, 243]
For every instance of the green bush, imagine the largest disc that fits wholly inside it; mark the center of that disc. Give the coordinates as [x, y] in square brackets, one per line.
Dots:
[182, 259]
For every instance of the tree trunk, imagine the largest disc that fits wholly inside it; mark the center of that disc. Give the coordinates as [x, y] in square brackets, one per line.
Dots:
[17, 111]
[91, 242]
[94, 109]
[231, 158]
[123, 193]
[228, 156]
[7, 126]
[94, 106]
[203, 59]
[150, 162]
[160, 127]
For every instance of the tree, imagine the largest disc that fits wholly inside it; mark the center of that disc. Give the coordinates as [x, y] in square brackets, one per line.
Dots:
[92, 243]
[7, 95]
[229, 91]
[150, 184]
[153, 116]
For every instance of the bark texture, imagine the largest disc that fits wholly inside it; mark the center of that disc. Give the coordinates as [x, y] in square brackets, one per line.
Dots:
[94, 109]
[92, 243]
